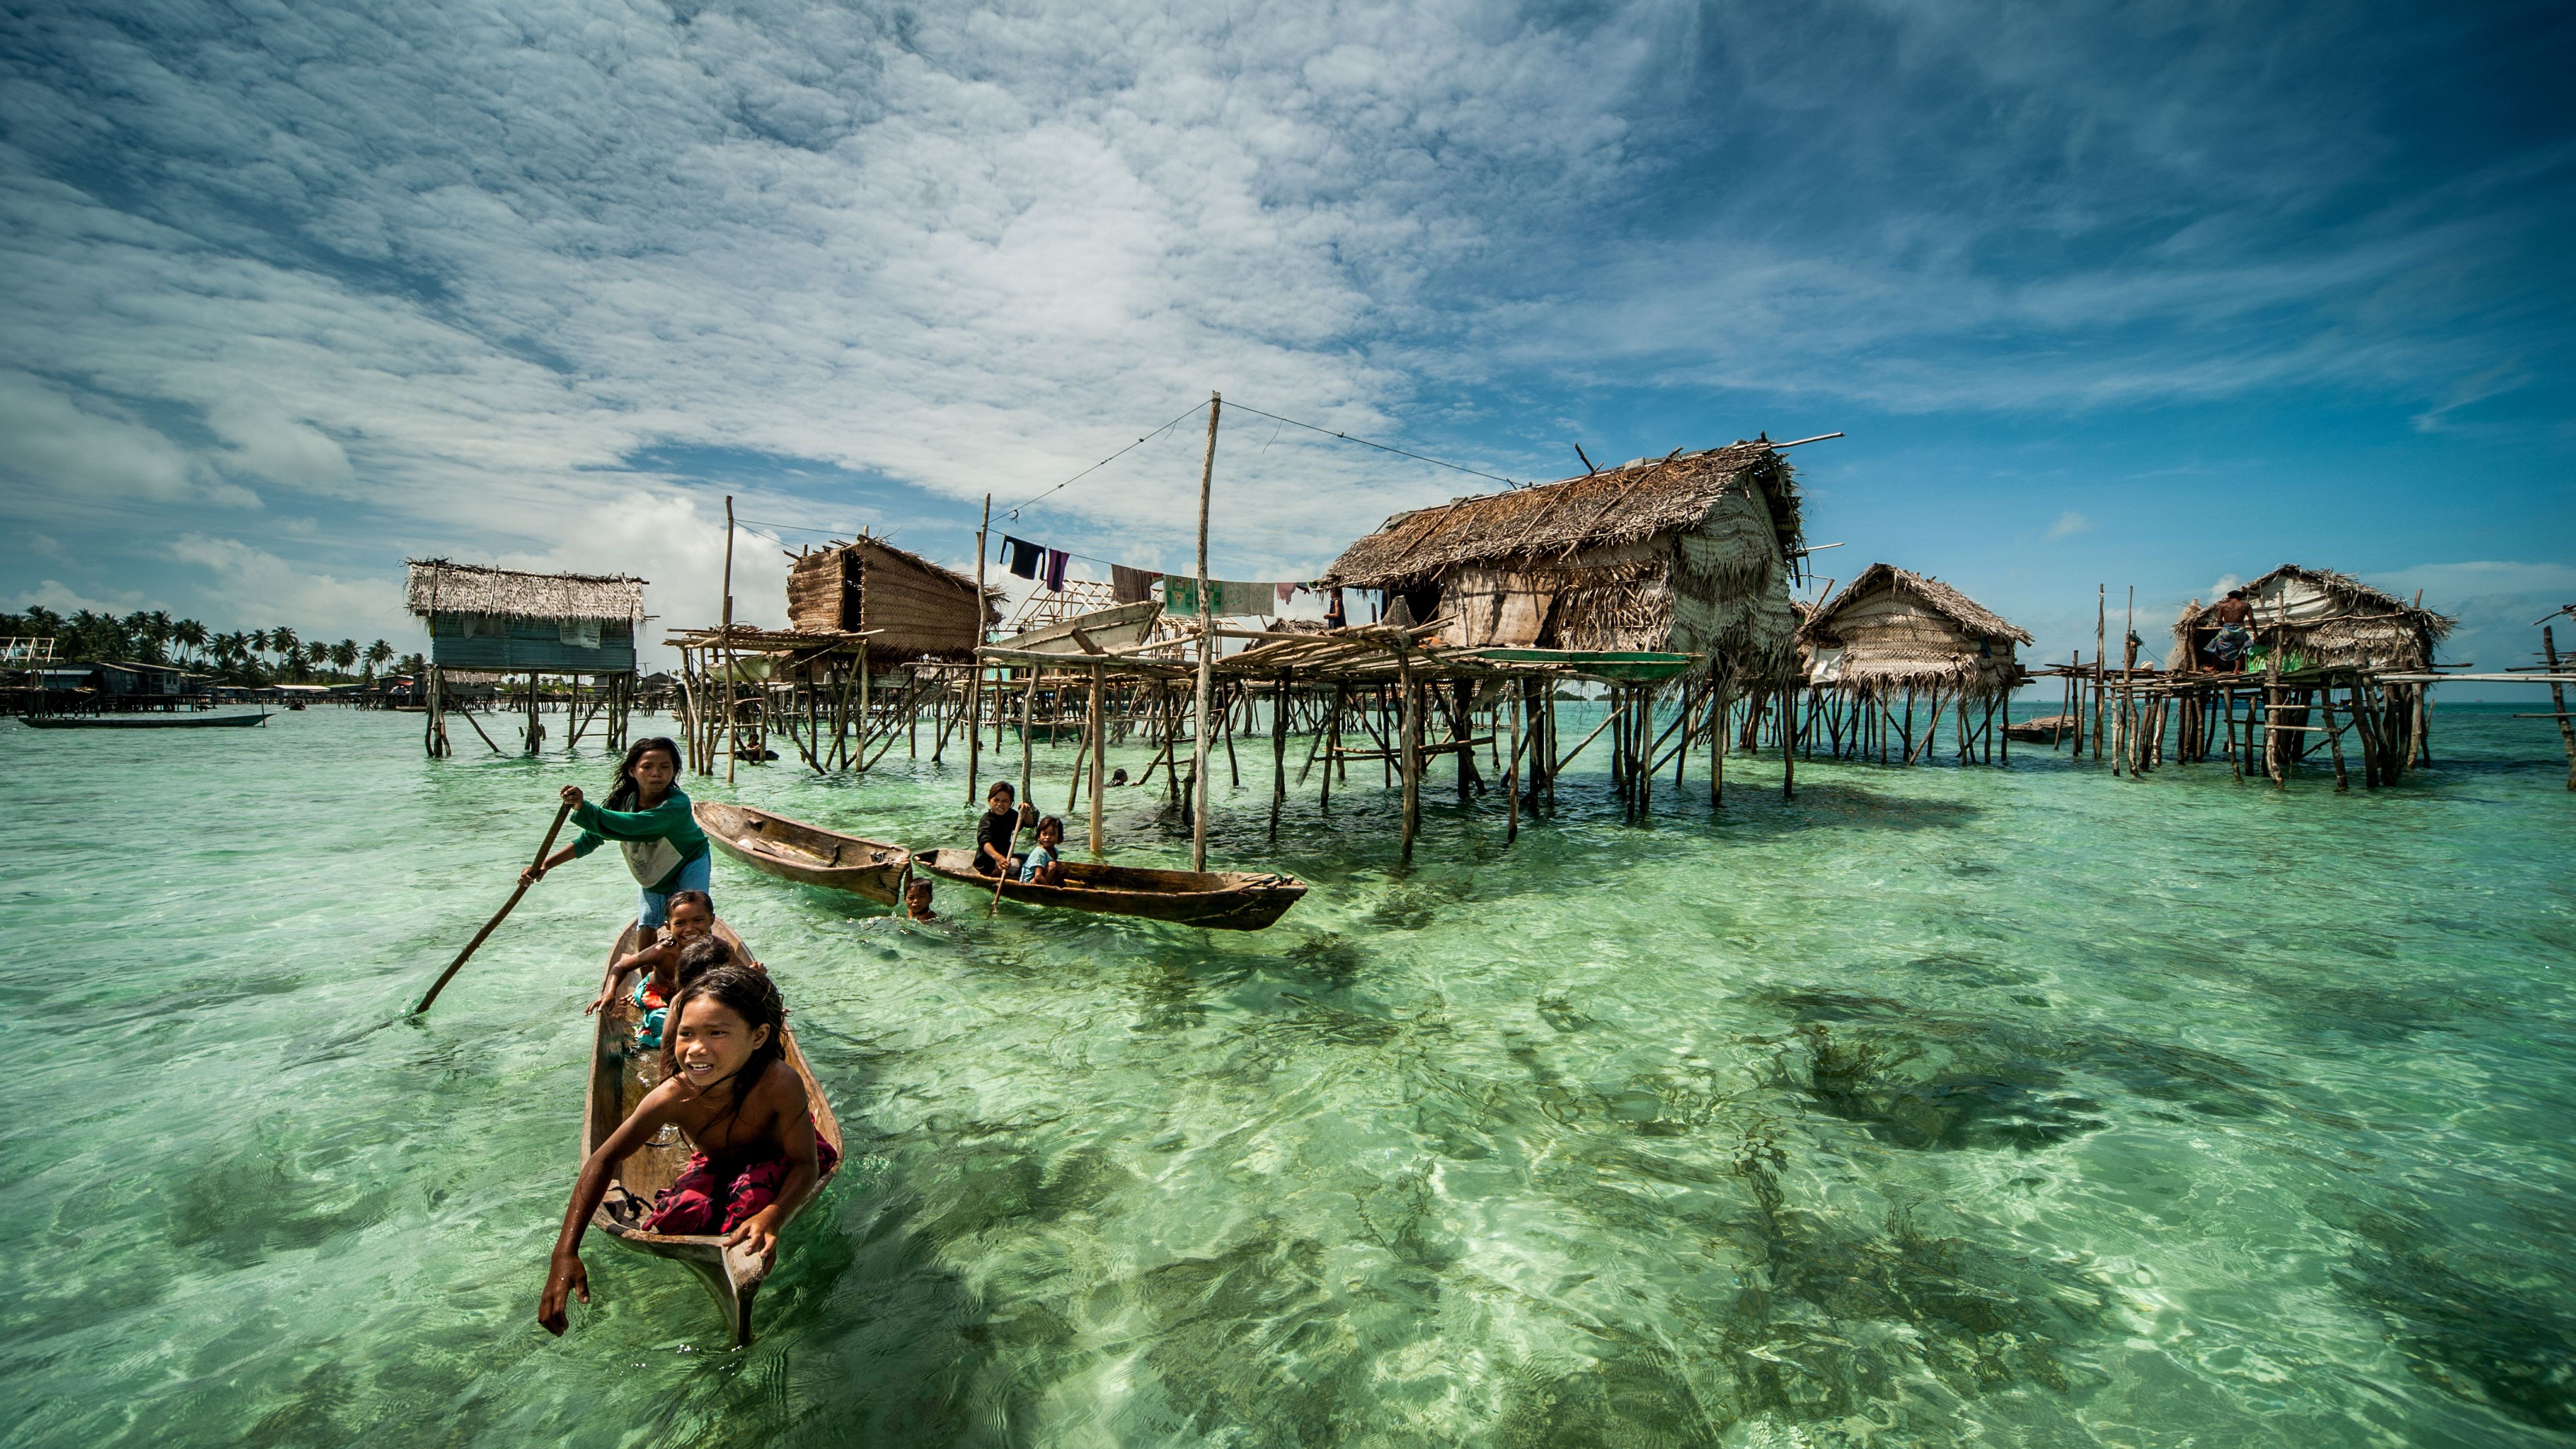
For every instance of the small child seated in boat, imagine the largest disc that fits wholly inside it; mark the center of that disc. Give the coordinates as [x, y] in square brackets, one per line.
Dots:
[1041, 866]
[729, 1087]
[997, 831]
[693, 918]
[701, 957]
[916, 900]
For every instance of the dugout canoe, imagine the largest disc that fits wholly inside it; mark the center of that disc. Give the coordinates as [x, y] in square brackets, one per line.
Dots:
[1221, 900]
[2047, 729]
[140, 722]
[807, 854]
[620, 1075]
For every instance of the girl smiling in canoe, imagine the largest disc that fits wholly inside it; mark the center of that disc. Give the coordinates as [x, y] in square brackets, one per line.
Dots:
[648, 816]
[729, 1086]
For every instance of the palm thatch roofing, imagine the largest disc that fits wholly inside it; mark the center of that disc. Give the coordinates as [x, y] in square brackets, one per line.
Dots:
[1974, 619]
[2328, 619]
[440, 586]
[1554, 521]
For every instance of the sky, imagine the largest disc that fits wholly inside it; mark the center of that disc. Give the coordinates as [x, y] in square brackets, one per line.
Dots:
[2150, 296]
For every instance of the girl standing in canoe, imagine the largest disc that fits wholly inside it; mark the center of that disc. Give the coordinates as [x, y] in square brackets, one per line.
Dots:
[648, 816]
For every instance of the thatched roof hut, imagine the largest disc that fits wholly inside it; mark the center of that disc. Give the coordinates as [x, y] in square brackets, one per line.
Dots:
[2323, 619]
[1691, 552]
[916, 607]
[506, 620]
[1894, 629]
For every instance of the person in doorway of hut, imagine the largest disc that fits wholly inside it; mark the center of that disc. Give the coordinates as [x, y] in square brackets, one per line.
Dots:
[1042, 865]
[916, 900]
[998, 831]
[693, 919]
[648, 816]
[2235, 637]
[1333, 618]
[728, 1085]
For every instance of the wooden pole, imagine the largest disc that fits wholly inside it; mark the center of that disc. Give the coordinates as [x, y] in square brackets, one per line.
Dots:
[1207, 655]
[975, 678]
[2101, 628]
[1028, 715]
[1278, 753]
[1512, 777]
[1099, 753]
[1412, 750]
[2558, 703]
[458, 964]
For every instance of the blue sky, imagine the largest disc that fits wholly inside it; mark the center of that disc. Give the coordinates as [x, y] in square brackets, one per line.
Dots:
[2148, 295]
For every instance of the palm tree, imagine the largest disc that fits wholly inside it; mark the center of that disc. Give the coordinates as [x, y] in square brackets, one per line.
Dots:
[192, 636]
[344, 655]
[283, 643]
[378, 654]
[258, 641]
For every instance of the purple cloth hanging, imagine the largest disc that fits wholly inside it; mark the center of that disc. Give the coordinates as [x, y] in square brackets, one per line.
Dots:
[1055, 559]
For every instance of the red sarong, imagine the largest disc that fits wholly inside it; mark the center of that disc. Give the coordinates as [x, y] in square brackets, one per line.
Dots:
[700, 1200]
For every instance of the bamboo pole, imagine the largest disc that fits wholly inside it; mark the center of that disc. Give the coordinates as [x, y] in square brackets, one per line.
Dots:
[975, 676]
[1412, 727]
[1207, 656]
[2101, 627]
[1099, 753]
[1278, 753]
[2558, 704]
[727, 619]
[1512, 775]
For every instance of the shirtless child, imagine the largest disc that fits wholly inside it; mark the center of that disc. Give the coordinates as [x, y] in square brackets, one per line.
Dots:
[693, 918]
[728, 1085]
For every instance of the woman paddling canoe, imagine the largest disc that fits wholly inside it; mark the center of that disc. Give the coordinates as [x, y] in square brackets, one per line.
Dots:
[648, 816]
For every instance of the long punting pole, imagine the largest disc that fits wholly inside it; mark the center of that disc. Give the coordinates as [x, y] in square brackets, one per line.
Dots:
[498, 916]
[727, 655]
[975, 676]
[1207, 656]
[1099, 757]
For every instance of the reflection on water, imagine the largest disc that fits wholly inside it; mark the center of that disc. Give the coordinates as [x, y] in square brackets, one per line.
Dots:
[1939, 1107]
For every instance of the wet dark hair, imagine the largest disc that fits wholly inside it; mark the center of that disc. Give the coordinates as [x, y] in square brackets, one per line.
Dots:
[689, 898]
[1054, 820]
[623, 793]
[700, 957]
[1002, 787]
[919, 883]
[749, 995]
[2236, 593]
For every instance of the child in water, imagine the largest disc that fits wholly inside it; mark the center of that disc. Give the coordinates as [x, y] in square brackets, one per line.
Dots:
[1041, 865]
[729, 1087]
[648, 816]
[916, 901]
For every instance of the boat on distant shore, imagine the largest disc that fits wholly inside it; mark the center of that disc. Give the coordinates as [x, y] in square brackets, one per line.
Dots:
[1221, 900]
[140, 721]
[620, 1075]
[2047, 729]
[807, 854]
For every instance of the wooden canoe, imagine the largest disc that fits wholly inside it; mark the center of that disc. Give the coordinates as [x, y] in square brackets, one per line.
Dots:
[620, 1075]
[2045, 730]
[1121, 626]
[140, 722]
[808, 854]
[1229, 900]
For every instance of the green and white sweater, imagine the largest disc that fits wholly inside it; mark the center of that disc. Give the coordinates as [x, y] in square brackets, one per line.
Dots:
[657, 842]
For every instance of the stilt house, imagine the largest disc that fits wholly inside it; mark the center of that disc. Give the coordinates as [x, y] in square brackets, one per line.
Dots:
[488, 623]
[1691, 552]
[2321, 619]
[915, 608]
[1892, 639]
[1893, 630]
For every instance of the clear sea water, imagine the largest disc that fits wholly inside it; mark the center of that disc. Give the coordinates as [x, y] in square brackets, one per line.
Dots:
[1939, 1107]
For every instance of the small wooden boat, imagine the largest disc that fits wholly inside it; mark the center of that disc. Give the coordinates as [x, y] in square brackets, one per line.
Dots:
[140, 721]
[2044, 730]
[1122, 626]
[808, 854]
[620, 1075]
[1228, 900]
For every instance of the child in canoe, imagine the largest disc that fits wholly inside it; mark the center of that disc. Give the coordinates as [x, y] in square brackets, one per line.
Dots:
[997, 831]
[728, 1085]
[1042, 865]
[692, 919]
[648, 816]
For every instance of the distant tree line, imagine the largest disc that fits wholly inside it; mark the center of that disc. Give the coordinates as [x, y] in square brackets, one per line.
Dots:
[255, 657]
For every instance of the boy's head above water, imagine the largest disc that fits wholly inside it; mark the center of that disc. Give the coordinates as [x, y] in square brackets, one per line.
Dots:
[916, 897]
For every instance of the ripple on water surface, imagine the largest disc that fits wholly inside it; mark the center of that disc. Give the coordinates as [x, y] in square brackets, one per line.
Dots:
[1939, 1107]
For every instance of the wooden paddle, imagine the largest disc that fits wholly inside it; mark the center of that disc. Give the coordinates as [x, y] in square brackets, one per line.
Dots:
[453, 966]
[1017, 816]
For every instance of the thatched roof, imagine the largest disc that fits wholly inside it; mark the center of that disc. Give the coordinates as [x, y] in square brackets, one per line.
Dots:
[455, 588]
[1553, 521]
[2330, 619]
[1971, 616]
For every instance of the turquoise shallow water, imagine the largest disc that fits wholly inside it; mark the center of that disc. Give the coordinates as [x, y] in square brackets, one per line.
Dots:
[1941, 1107]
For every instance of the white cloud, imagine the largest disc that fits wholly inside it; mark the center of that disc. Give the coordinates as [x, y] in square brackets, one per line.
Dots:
[2069, 523]
[257, 589]
[63, 599]
[50, 443]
